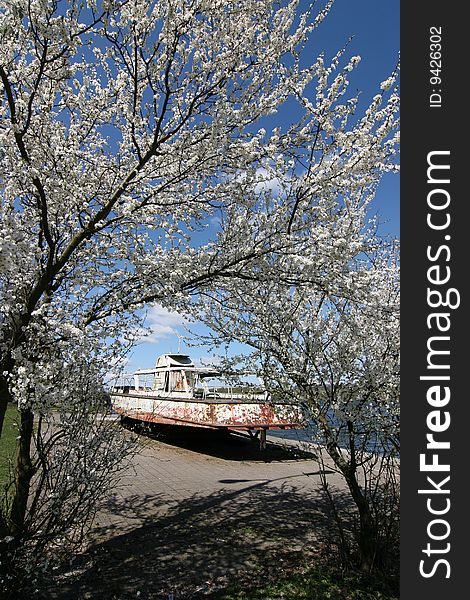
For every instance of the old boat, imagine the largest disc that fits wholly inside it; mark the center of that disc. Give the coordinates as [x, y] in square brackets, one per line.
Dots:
[176, 392]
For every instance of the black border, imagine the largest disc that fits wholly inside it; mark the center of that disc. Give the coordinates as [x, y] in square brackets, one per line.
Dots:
[426, 129]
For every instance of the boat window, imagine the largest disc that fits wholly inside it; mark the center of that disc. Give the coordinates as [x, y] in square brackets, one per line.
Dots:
[167, 382]
[191, 379]
[159, 381]
[181, 359]
[177, 381]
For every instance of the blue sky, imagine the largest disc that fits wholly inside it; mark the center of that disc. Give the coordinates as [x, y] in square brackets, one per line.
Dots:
[374, 26]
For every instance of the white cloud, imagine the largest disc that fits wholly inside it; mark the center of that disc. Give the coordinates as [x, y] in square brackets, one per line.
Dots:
[264, 181]
[163, 324]
[267, 182]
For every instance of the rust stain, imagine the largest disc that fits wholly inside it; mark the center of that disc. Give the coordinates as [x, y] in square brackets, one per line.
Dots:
[230, 415]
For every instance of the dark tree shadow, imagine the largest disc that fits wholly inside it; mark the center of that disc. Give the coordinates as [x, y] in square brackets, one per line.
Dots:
[248, 536]
[228, 445]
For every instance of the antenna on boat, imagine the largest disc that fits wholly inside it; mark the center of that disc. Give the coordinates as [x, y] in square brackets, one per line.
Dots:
[180, 337]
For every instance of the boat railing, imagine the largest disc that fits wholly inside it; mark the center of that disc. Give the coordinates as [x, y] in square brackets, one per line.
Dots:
[202, 391]
[231, 393]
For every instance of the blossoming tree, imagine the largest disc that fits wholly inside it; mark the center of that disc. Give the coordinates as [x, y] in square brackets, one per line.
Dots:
[126, 129]
[330, 341]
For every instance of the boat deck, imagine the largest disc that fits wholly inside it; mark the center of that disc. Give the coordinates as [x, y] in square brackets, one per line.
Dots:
[208, 399]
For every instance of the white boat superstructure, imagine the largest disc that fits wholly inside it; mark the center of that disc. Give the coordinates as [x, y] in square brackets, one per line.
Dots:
[177, 392]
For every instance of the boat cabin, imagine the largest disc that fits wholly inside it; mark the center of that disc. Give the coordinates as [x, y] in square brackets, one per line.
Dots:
[173, 374]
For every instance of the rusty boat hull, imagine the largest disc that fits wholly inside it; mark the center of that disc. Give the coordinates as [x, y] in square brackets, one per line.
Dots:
[218, 413]
[176, 392]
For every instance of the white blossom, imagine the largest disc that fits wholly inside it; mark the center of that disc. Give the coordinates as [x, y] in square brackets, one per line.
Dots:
[134, 170]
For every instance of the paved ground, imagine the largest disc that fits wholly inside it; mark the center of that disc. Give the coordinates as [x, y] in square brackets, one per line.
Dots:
[199, 510]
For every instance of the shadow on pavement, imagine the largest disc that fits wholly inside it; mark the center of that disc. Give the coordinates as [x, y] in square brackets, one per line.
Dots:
[248, 536]
[236, 446]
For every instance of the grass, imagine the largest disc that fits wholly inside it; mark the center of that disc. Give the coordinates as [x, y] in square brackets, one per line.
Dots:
[8, 443]
[326, 583]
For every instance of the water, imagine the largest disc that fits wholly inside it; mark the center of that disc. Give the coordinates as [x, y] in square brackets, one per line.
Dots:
[311, 434]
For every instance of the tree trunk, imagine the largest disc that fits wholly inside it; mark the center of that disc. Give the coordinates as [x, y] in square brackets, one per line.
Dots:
[367, 530]
[23, 475]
